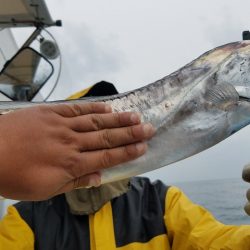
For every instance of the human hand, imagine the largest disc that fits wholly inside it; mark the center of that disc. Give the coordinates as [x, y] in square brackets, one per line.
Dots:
[51, 149]
[246, 177]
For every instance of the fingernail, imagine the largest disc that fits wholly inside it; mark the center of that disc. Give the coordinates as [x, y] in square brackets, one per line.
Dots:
[135, 118]
[108, 108]
[94, 182]
[148, 129]
[140, 146]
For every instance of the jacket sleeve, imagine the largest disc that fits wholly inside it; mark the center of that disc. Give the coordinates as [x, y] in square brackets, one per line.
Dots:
[15, 234]
[191, 226]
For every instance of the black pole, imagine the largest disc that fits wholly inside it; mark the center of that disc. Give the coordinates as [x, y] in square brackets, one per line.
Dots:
[246, 35]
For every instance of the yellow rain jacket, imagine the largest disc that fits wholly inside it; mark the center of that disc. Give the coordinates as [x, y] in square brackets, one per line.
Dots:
[150, 216]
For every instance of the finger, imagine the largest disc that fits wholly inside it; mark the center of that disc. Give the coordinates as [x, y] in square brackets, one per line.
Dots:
[111, 138]
[94, 122]
[247, 208]
[246, 173]
[94, 161]
[78, 108]
[248, 194]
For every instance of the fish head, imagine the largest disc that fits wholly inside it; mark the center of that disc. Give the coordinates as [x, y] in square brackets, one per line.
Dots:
[232, 83]
[235, 68]
[222, 89]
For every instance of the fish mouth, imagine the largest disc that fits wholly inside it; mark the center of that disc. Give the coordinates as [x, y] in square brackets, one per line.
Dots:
[243, 98]
[243, 92]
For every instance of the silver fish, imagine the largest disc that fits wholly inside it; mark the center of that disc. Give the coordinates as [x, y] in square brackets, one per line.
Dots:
[193, 108]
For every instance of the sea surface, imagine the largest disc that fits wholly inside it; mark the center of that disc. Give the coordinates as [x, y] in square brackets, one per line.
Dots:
[225, 199]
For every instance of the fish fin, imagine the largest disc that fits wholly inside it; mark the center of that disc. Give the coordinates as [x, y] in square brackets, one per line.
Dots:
[223, 93]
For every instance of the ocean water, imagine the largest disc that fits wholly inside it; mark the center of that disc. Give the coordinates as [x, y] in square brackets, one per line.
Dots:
[225, 199]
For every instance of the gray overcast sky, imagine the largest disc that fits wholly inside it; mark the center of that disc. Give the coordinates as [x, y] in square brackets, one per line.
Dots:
[133, 43]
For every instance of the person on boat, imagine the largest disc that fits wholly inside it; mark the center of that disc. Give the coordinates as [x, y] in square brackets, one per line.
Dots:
[131, 214]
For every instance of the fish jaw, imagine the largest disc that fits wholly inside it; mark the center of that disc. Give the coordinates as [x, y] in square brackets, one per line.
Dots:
[239, 116]
[236, 69]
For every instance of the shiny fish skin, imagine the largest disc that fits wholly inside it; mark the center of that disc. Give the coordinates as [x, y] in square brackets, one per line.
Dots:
[193, 108]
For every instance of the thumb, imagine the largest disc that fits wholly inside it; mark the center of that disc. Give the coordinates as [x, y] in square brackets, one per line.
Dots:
[247, 208]
[246, 177]
[246, 173]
